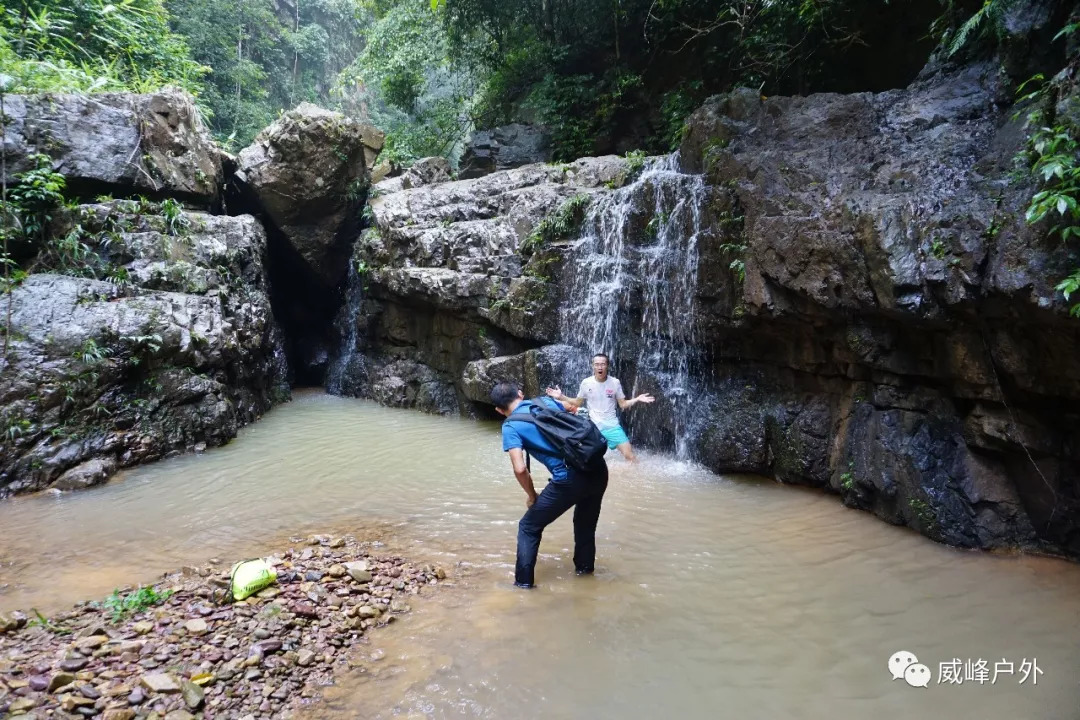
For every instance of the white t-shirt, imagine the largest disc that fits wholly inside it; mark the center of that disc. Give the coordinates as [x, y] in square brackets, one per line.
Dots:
[602, 400]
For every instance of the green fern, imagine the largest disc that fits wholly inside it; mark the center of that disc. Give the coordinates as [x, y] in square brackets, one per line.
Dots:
[987, 17]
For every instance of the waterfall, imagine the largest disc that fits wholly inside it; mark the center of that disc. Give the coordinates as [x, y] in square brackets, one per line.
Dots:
[632, 284]
[347, 369]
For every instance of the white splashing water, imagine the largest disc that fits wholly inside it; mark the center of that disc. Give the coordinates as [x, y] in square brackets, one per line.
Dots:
[633, 284]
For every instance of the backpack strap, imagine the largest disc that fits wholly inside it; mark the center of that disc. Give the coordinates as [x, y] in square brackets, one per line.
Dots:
[527, 417]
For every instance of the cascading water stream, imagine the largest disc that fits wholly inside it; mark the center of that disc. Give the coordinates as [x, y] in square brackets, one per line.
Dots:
[632, 292]
[347, 364]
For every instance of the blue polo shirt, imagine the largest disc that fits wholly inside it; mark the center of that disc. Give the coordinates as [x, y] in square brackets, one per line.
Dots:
[527, 436]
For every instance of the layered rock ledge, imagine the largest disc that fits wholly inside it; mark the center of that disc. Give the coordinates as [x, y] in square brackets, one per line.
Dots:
[116, 143]
[446, 275]
[174, 349]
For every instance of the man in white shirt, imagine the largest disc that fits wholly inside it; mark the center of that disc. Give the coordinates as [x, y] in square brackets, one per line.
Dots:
[602, 393]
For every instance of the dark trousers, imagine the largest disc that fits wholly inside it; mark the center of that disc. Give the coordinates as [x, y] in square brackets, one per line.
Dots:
[583, 490]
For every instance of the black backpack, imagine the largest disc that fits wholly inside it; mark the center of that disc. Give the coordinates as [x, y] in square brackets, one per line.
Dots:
[574, 437]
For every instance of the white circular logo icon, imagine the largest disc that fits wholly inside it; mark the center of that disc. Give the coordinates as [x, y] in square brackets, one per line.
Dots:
[917, 675]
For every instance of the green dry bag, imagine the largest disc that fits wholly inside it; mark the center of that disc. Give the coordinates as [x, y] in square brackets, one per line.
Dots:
[251, 576]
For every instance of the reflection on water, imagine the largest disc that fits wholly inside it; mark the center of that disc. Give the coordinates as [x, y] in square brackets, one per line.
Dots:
[713, 596]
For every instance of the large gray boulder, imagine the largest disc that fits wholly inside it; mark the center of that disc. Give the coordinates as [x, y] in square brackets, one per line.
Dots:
[503, 148]
[309, 172]
[446, 281]
[116, 142]
[176, 348]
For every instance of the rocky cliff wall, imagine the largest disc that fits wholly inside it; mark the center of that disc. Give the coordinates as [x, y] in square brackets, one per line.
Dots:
[174, 350]
[142, 327]
[872, 317]
[116, 143]
[445, 275]
[897, 337]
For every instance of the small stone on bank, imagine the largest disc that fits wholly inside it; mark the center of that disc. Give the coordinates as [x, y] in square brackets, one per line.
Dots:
[159, 683]
[196, 626]
[358, 571]
[192, 693]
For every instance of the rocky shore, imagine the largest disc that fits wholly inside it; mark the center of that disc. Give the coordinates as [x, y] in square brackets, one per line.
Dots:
[189, 655]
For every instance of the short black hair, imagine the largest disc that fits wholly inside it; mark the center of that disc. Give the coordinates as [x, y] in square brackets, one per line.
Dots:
[606, 358]
[503, 394]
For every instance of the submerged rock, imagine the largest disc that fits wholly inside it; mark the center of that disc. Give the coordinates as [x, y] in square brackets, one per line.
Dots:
[92, 472]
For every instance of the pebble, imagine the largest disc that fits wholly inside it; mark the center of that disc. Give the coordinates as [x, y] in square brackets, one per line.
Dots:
[22, 704]
[197, 626]
[119, 714]
[160, 683]
[73, 663]
[193, 694]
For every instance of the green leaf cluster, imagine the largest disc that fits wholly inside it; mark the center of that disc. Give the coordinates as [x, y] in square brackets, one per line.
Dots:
[1054, 158]
[604, 76]
[119, 606]
[557, 226]
[406, 83]
[267, 56]
[93, 45]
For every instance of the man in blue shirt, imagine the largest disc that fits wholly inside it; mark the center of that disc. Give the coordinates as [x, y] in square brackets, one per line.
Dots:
[568, 487]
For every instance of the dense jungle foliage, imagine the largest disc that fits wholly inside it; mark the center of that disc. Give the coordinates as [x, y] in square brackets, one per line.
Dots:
[602, 75]
[605, 75]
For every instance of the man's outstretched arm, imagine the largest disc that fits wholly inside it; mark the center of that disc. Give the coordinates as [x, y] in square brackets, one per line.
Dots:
[567, 402]
[643, 397]
[524, 477]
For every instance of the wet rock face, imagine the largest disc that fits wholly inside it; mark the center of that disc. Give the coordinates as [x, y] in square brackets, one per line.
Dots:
[309, 172]
[442, 280]
[503, 148]
[116, 143]
[177, 350]
[535, 370]
[897, 338]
